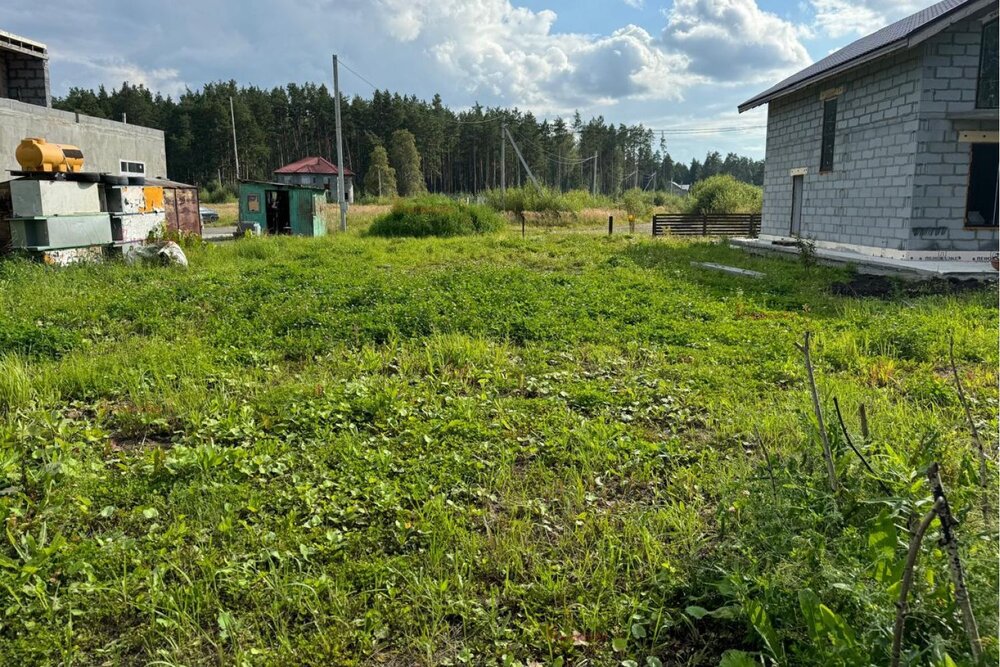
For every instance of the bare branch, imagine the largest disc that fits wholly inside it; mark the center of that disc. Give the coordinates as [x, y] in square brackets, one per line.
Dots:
[843, 427]
[950, 542]
[903, 606]
[983, 474]
[863, 417]
[767, 459]
[831, 471]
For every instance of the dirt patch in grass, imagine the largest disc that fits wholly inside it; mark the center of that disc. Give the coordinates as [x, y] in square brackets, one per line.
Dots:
[884, 287]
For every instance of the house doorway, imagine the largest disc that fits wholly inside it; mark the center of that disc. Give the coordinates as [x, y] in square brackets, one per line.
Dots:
[278, 217]
[797, 182]
[981, 204]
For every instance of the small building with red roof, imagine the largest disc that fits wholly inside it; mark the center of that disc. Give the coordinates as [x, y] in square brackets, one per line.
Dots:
[316, 172]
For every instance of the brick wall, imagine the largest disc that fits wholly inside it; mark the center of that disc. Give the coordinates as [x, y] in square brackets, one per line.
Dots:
[867, 198]
[949, 69]
[900, 175]
[26, 78]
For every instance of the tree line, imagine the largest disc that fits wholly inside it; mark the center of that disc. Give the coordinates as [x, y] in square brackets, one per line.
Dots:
[459, 151]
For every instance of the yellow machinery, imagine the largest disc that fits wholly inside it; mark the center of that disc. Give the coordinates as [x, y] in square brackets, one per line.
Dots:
[36, 154]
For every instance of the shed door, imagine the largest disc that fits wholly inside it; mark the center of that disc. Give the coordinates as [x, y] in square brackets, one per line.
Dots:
[796, 205]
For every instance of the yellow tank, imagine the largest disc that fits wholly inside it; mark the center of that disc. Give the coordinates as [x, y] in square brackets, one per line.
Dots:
[36, 154]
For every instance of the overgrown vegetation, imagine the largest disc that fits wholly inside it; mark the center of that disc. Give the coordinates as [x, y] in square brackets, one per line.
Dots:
[566, 449]
[217, 193]
[724, 194]
[435, 215]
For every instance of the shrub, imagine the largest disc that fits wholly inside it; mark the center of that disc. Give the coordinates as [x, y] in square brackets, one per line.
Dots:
[435, 215]
[530, 198]
[217, 193]
[670, 202]
[724, 194]
[637, 203]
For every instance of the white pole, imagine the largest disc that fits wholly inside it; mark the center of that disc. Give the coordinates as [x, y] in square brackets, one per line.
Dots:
[236, 153]
[341, 195]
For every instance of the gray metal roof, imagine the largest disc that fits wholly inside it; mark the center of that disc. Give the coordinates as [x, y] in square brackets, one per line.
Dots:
[877, 44]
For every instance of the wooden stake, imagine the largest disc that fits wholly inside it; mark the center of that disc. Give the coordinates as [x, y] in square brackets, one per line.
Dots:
[950, 543]
[831, 471]
[902, 606]
[985, 500]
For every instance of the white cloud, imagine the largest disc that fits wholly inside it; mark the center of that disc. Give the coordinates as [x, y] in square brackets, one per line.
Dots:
[734, 41]
[635, 4]
[112, 72]
[838, 18]
[512, 53]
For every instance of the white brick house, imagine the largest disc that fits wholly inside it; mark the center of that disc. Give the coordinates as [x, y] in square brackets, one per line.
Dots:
[888, 147]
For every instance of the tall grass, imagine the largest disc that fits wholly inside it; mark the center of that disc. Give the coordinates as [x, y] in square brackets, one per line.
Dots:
[435, 215]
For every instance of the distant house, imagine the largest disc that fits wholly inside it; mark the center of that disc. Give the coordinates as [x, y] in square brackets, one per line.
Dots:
[317, 172]
[888, 147]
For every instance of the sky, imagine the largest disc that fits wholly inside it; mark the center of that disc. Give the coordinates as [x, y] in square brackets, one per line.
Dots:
[673, 65]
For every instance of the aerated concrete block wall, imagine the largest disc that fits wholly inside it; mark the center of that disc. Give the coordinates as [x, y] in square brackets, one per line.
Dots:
[949, 74]
[900, 175]
[25, 78]
[104, 142]
[867, 198]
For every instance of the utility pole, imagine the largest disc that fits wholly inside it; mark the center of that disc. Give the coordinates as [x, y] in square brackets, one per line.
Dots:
[503, 165]
[341, 195]
[520, 157]
[594, 187]
[236, 153]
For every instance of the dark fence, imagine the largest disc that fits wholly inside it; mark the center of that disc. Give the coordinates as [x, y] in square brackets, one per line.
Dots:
[707, 224]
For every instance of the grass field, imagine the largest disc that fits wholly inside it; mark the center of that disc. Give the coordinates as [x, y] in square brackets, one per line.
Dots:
[480, 450]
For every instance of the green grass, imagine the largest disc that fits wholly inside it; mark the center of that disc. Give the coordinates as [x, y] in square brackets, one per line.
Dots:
[476, 450]
[435, 215]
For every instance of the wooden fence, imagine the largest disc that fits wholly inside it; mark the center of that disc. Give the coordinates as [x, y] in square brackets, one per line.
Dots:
[707, 224]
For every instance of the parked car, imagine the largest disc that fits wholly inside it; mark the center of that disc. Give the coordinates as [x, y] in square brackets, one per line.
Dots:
[208, 214]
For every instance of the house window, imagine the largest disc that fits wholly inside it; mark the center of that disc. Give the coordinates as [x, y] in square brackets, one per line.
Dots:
[986, 92]
[981, 205]
[129, 168]
[829, 132]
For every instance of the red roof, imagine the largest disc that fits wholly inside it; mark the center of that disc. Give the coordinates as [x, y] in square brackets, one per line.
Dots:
[312, 165]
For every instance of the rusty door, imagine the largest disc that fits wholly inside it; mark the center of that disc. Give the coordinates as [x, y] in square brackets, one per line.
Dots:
[183, 211]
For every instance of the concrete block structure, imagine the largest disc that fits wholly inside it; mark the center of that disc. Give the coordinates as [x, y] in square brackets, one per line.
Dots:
[25, 111]
[888, 147]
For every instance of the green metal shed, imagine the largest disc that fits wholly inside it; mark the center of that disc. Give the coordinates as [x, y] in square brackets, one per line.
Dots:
[280, 208]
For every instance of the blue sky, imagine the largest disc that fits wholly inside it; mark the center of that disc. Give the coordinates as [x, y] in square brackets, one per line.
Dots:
[670, 64]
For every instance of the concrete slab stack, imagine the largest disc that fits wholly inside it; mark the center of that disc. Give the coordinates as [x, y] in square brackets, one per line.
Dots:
[56, 215]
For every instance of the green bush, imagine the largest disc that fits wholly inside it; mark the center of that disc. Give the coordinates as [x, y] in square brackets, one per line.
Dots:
[724, 194]
[217, 193]
[436, 215]
[637, 203]
[530, 198]
[670, 202]
[581, 199]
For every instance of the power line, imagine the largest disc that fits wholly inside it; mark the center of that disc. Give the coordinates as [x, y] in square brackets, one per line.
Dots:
[360, 76]
[707, 130]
